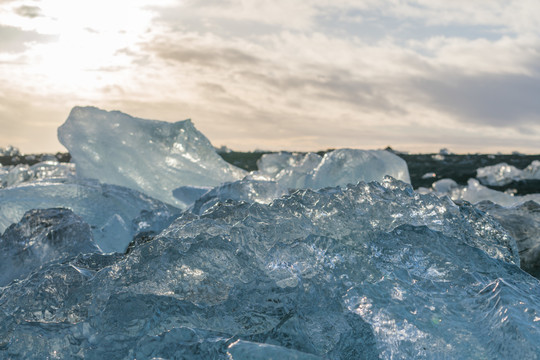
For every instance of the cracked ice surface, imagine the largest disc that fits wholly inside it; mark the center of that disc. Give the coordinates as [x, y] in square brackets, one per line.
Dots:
[154, 157]
[368, 271]
[110, 210]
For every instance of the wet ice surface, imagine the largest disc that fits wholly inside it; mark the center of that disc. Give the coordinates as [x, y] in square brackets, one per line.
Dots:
[373, 270]
[253, 269]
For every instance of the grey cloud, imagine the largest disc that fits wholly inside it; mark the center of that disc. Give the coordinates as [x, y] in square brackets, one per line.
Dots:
[208, 57]
[489, 99]
[13, 39]
[334, 85]
[322, 83]
[28, 11]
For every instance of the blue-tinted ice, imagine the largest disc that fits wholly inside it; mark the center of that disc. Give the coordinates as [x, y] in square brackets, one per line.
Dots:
[111, 211]
[368, 271]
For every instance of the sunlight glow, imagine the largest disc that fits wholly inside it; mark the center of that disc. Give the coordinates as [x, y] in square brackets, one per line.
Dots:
[91, 37]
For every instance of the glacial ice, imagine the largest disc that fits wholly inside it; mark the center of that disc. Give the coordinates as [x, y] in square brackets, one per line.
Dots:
[335, 168]
[154, 157]
[109, 209]
[523, 223]
[503, 174]
[367, 271]
[474, 193]
[40, 237]
[9, 151]
[498, 175]
[251, 191]
[50, 169]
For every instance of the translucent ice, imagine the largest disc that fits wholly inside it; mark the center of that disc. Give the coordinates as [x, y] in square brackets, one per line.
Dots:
[153, 157]
[523, 223]
[336, 168]
[498, 175]
[503, 174]
[51, 169]
[532, 171]
[370, 271]
[109, 209]
[474, 193]
[40, 237]
[251, 191]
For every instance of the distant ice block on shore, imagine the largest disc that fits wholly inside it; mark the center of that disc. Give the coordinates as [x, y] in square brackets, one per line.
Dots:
[15, 175]
[335, 168]
[475, 192]
[154, 157]
[503, 174]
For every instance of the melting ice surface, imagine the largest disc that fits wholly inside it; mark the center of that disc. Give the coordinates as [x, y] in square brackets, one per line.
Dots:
[253, 269]
[368, 271]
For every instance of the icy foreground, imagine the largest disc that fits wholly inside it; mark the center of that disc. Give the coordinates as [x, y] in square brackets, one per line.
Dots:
[368, 271]
[154, 157]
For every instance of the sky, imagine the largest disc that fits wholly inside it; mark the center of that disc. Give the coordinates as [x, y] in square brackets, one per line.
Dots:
[280, 74]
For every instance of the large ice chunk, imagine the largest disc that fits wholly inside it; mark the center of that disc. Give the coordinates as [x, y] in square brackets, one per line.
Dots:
[40, 237]
[336, 168]
[368, 271]
[109, 209]
[153, 157]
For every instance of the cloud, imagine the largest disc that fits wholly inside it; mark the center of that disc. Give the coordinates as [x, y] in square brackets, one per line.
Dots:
[28, 11]
[187, 50]
[14, 39]
[500, 100]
